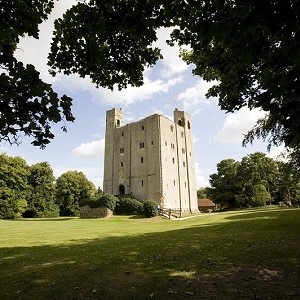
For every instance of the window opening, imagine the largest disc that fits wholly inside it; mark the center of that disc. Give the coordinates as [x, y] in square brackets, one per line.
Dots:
[121, 150]
[121, 164]
[142, 160]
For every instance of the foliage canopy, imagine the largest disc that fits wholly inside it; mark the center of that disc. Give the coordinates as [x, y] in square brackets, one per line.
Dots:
[28, 105]
[256, 180]
[251, 48]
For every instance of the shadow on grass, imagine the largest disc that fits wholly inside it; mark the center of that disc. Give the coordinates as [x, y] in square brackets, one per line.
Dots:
[58, 219]
[137, 217]
[241, 258]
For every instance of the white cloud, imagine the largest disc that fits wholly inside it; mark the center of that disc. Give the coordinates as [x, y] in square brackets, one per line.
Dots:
[237, 124]
[172, 63]
[200, 179]
[195, 139]
[278, 153]
[91, 150]
[193, 98]
[35, 51]
[73, 83]
[133, 94]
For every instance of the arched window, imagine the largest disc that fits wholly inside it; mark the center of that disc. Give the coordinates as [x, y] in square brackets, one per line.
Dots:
[121, 189]
[179, 122]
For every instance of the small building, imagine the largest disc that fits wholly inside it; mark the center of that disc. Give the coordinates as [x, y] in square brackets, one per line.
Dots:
[205, 204]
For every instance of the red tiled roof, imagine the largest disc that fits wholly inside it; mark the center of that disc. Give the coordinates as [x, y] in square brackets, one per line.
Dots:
[205, 202]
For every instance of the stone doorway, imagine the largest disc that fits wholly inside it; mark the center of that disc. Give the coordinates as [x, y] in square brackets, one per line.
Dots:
[121, 189]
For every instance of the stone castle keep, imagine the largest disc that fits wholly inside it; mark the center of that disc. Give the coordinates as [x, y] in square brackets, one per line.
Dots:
[151, 159]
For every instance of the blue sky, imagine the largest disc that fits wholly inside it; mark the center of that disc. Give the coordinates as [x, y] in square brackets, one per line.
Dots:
[217, 135]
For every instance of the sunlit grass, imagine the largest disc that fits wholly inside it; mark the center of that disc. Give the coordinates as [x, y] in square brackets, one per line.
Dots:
[127, 257]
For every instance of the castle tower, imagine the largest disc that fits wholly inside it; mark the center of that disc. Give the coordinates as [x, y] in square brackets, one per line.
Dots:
[151, 159]
[114, 120]
[186, 165]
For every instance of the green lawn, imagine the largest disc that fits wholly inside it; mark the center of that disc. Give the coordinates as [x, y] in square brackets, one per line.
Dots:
[234, 255]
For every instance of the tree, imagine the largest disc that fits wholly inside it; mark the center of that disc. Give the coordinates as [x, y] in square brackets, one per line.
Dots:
[14, 189]
[288, 183]
[42, 200]
[250, 47]
[257, 170]
[252, 182]
[260, 196]
[202, 193]
[72, 188]
[225, 183]
[28, 105]
[110, 41]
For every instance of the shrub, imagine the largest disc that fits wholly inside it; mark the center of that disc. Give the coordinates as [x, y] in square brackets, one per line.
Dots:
[106, 200]
[150, 208]
[129, 206]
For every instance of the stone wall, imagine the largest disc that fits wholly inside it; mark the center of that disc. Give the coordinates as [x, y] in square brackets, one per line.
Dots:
[100, 212]
[152, 158]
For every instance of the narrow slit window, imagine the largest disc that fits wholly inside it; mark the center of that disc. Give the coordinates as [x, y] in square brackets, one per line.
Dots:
[121, 164]
[142, 182]
[142, 160]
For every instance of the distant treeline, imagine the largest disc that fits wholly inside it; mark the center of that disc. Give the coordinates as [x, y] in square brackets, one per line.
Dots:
[33, 191]
[256, 180]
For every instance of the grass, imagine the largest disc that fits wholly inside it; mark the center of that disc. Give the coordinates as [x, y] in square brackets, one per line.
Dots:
[231, 255]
